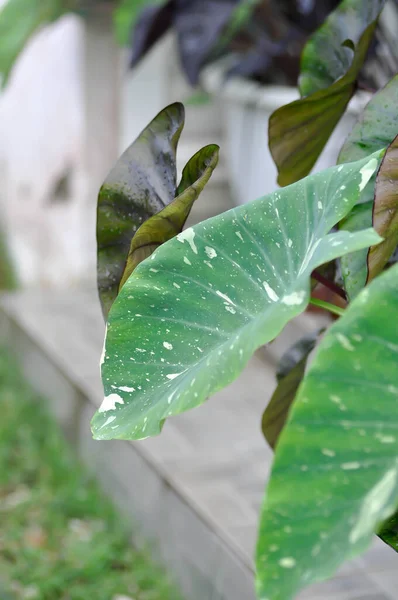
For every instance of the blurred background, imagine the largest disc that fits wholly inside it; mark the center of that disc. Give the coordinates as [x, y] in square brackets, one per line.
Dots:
[80, 80]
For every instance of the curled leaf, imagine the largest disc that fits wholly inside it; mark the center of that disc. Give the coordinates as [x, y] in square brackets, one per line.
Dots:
[169, 222]
[141, 184]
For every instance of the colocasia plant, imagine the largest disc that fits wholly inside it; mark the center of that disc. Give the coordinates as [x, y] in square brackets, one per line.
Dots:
[186, 308]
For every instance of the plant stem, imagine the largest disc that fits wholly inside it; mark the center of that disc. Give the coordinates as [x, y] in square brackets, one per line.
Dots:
[336, 310]
[329, 284]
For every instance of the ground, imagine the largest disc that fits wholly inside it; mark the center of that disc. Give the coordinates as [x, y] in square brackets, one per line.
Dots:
[60, 539]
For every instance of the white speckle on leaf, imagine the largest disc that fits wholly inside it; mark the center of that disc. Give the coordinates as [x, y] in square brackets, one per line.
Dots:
[109, 402]
[109, 420]
[270, 292]
[187, 261]
[125, 388]
[208, 264]
[140, 350]
[154, 270]
[294, 299]
[176, 285]
[211, 253]
[287, 563]
[173, 375]
[168, 346]
[367, 172]
[230, 309]
[188, 236]
[238, 233]
[320, 205]
[376, 506]
[225, 297]
[385, 439]
[337, 400]
[290, 243]
[350, 466]
[328, 452]
[345, 342]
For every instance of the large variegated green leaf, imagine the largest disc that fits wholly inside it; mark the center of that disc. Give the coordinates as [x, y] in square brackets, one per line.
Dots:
[189, 318]
[335, 473]
[299, 131]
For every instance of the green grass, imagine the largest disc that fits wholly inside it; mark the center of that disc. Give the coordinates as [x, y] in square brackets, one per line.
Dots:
[60, 539]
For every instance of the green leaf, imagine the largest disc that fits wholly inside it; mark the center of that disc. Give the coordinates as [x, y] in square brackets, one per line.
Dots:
[141, 184]
[19, 20]
[389, 532]
[377, 126]
[169, 222]
[289, 375]
[353, 266]
[299, 131]
[335, 473]
[328, 54]
[385, 211]
[188, 319]
[376, 129]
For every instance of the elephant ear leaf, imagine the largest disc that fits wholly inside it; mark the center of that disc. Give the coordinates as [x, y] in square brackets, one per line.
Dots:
[289, 375]
[188, 319]
[335, 472]
[385, 211]
[169, 222]
[141, 184]
[331, 63]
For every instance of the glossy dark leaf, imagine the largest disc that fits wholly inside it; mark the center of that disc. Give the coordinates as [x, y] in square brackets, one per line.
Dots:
[169, 222]
[385, 211]
[290, 373]
[141, 184]
[152, 23]
[299, 131]
[199, 24]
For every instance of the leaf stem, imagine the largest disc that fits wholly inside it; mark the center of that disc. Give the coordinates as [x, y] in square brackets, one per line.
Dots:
[329, 284]
[336, 310]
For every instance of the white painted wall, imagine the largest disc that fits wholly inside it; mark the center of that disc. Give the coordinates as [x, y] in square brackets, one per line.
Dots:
[41, 140]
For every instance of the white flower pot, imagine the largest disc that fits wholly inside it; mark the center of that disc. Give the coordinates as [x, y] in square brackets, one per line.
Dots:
[247, 107]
